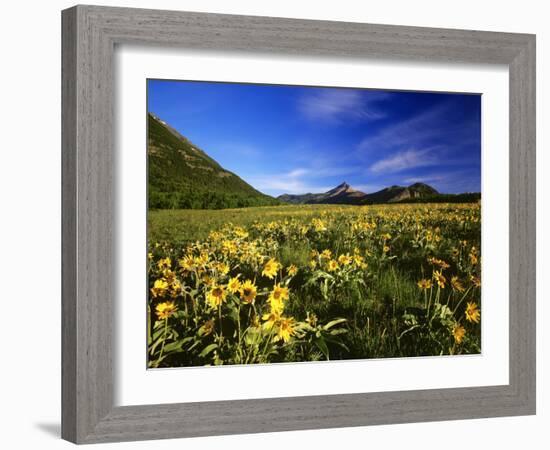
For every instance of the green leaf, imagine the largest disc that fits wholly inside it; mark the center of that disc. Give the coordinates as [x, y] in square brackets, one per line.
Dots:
[173, 347]
[333, 322]
[193, 346]
[336, 342]
[322, 345]
[208, 349]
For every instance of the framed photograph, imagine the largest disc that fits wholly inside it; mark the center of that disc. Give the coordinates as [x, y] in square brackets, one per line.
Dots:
[267, 222]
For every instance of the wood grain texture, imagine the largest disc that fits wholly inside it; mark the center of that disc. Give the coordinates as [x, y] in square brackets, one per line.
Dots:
[90, 34]
[68, 225]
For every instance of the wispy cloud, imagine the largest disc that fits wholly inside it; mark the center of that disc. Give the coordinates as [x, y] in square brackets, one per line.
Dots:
[286, 183]
[407, 159]
[341, 105]
[427, 179]
[430, 138]
[300, 180]
[411, 132]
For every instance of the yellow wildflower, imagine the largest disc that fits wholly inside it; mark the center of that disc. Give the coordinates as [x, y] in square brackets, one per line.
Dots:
[440, 279]
[285, 329]
[234, 285]
[438, 262]
[292, 270]
[202, 260]
[476, 281]
[456, 284]
[222, 268]
[332, 265]
[278, 296]
[458, 333]
[319, 225]
[159, 288]
[207, 328]
[359, 261]
[164, 263]
[271, 318]
[472, 312]
[168, 275]
[424, 284]
[216, 296]
[248, 291]
[165, 310]
[187, 262]
[208, 280]
[473, 256]
[175, 288]
[270, 269]
[345, 260]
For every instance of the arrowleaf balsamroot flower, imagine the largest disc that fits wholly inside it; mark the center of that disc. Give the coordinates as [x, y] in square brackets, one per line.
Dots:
[440, 279]
[475, 280]
[285, 329]
[234, 285]
[248, 292]
[271, 318]
[165, 310]
[345, 260]
[458, 333]
[164, 263]
[270, 268]
[207, 328]
[332, 265]
[424, 284]
[472, 312]
[278, 296]
[216, 296]
[159, 288]
[292, 270]
[456, 284]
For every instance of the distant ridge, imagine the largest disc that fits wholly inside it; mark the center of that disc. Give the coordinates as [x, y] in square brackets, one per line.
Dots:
[345, 194]
[341, 194]
[395, 194]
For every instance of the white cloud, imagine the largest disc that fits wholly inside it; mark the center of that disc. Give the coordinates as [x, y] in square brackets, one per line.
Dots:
[406, 159]
[415, 131]
[297, 181]
[297, 173]
[428, 179]
[340, 105]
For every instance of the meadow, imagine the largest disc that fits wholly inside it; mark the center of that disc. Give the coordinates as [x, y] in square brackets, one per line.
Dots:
[313, 282]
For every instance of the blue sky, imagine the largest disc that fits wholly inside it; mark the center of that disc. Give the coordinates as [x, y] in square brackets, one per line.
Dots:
[294, 139]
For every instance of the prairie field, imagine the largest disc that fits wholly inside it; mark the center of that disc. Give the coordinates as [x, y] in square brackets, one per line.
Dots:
[313, 282]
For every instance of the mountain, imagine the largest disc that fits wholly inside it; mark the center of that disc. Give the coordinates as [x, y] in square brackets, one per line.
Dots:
[341, 194]
[345, 194]
[181, 175]
[399, 193]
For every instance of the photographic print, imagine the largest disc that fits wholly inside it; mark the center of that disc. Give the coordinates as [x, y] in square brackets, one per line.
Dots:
[294, 224]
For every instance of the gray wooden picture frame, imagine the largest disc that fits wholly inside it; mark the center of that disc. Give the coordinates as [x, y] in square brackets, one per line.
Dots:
[90, 34]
